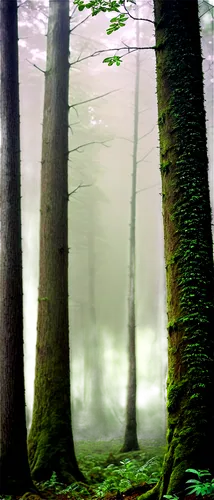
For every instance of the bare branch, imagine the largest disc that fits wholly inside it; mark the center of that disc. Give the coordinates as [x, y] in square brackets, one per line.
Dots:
[144, 157]
[72, 13]
[148, 187]
[75, 123]
[71, 125]
[210, 8]
[22, 3]
[93, 98]
[147, 133]
[76, 111]
[88, 144]
[117, 49]
[125, 139]
[35, 66]
[77, 188]
[136, 18]
[143, 110]
[79, 24]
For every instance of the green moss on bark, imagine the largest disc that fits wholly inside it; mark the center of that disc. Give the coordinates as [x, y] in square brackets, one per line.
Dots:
[188, 242]
[50, 442]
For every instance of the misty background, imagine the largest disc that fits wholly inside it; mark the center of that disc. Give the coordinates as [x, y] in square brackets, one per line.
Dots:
[99, 217]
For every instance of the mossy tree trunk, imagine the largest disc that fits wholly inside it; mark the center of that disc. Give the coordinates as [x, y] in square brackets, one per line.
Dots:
[51, 446]
[130, 438]
[188, 243]
[14, 469]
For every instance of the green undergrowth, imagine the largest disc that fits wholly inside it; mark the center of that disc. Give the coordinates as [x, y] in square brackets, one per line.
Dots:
[110, 473]
[107, 471]
[101, 453]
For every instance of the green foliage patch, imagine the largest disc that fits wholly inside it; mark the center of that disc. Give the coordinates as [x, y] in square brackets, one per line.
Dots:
[108, 471]
[116, 22]
[113, 478]
[201, 485]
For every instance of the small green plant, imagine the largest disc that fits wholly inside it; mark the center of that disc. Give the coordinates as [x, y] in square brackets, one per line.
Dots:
[76, 490]
[202, 485]
[128, 474]
[171, 497]
[53, 483]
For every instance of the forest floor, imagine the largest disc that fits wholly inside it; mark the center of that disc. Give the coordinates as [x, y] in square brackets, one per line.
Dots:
[110, 475]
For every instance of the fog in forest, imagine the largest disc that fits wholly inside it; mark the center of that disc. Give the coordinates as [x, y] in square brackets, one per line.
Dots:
[100, 168]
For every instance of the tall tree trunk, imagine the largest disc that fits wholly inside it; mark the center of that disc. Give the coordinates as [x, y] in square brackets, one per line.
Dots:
[51, 446]
[14, 468]
[188, 243]
[95, 371]
[130, 439]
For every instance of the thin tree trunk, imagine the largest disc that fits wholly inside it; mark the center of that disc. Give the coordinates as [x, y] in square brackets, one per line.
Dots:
[51, 446]
[130, 439]
[188, 244]
[14, 469]
[97, 414]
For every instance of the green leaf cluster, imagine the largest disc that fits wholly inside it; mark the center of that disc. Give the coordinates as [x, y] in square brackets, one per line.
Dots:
[116, 23]
[113, 60]
[202, 485]
[98, 6]
[128, 474]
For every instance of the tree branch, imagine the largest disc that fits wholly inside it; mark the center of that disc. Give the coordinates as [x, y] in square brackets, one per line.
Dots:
[22, 3]
[72, 13]
[143, 110]
[126, 139]
[148, 187]
[136, 18]
[71, 125]
[93, 98]
[79, 24]
[88, 144]
[117, 49]
[147, 133]
[144, 157]
[35, 66]
[77, 188]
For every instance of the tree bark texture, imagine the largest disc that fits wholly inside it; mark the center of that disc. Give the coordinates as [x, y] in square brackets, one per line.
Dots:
[188, 242]
[51, 446]
[94, 347]
[130, 439]
[14, 467]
